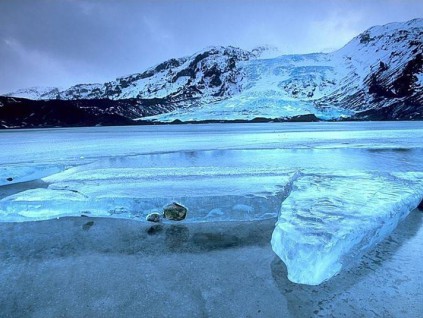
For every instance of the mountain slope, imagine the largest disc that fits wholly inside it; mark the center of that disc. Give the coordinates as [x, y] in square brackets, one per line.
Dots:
[384, 70]
[281, 87]
[377, 75]
[25, 113]
[209, 74]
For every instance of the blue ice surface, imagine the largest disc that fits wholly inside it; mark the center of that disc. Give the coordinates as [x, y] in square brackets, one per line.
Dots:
[337, 188]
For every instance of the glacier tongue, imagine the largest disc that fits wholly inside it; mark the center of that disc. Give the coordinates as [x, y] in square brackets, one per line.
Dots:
[329, 220]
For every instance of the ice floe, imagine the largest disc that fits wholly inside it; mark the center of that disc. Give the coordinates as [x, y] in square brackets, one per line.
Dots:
[330, 220]
[135, 192]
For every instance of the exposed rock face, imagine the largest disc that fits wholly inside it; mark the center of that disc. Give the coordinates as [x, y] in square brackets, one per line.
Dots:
[25, 113]
[175, 212]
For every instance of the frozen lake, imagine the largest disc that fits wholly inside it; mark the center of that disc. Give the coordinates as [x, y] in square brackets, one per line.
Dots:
[344, 186]
[82, 145]
[128, 172]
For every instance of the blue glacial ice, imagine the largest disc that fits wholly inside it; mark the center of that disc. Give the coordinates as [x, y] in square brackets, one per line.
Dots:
[210, 194]
[330, 220]
[338, 188]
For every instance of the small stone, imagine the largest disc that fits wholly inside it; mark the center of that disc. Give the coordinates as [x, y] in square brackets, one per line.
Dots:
[9, 179]
[153, 217]
[175, 212]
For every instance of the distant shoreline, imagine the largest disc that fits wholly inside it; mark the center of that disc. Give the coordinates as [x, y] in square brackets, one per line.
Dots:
[308, 118]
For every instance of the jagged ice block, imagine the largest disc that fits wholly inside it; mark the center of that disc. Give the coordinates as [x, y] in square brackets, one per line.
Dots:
[329, 221]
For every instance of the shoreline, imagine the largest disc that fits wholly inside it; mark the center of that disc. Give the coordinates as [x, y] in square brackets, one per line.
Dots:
[177, 122]
[81, 266]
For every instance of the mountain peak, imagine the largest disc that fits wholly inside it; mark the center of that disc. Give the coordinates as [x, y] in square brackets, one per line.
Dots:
[266, 51]
[35, 92]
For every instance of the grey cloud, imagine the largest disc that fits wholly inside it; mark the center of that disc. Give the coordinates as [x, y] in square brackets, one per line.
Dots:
[63, 42]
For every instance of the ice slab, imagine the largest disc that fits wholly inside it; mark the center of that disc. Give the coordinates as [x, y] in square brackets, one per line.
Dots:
[330, 220]
[210, 194]
[15, 173]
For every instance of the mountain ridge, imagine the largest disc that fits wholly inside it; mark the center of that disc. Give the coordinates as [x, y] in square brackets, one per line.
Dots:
[376, 75]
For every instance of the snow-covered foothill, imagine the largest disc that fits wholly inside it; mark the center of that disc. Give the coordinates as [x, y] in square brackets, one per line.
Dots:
[36, 92]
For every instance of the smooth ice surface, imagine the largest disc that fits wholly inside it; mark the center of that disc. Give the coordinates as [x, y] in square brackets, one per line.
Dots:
[78, 146]
[329, 221]
[352, 182]
[209, 194]
[63, 267]
[11, 174]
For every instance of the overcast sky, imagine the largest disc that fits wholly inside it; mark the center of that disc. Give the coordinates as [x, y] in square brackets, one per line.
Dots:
[65, 42]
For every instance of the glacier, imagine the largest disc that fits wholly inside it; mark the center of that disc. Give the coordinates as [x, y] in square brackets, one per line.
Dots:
[274, 88]
[334, 189]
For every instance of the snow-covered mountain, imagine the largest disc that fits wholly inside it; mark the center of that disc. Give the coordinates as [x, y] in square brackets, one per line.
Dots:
[377, 75]
[209, 74]
[36, 93]
[384, 67]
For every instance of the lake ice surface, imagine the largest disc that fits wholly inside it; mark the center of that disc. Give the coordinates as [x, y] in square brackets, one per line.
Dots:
[344, 186]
